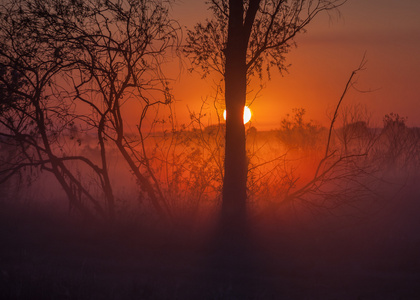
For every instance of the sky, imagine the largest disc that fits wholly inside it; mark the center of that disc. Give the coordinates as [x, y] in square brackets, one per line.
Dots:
[386, 32]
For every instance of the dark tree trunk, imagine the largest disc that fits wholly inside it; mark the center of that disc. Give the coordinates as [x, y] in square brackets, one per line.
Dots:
[234, 184]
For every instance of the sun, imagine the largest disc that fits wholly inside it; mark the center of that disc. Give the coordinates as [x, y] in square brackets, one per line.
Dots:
[247, 114]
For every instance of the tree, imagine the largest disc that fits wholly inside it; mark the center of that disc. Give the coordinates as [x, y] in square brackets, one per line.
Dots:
[242, 40]
[59, 58]
[35, 114]
[122, 49]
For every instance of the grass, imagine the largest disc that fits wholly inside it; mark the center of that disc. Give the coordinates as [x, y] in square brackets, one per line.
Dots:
[47, 255]
[366, 248]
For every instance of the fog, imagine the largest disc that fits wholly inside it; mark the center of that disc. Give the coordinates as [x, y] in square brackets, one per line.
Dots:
[351, 233]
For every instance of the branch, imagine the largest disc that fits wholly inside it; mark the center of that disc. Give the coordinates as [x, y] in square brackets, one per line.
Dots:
[250, 17]
[348, 85]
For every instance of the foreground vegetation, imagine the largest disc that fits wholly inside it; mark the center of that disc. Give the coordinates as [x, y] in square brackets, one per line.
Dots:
[96, 205]
[351, 232]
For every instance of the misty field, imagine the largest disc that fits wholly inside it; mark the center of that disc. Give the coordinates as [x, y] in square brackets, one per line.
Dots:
[342, 226]
[107, 193]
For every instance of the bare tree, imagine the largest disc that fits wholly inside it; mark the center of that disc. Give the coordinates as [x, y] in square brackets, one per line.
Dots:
[244, 39]
[59, 57]
[123, 49]
[34, 113]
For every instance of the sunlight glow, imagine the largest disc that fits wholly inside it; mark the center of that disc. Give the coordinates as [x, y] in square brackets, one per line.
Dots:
[247, 114]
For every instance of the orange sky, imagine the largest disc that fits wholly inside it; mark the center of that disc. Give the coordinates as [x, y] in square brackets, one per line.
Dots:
[387, 30]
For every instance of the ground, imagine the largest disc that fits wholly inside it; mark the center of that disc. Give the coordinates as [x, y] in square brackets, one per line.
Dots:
[58, 256]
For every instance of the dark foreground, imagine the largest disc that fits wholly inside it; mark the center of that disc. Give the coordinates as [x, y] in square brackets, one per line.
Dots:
[54, 257]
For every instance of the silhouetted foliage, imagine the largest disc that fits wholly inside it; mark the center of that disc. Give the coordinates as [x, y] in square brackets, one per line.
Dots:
[394, 121]
[269, 29]
[80, 62]
[400, 143]
[244, 39]
[71, 72]
[64, 110]
[295, 132]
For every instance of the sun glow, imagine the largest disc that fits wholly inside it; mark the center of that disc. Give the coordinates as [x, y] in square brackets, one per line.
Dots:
[247, 114]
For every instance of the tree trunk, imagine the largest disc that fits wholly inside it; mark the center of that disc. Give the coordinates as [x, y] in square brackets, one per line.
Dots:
[234, 184]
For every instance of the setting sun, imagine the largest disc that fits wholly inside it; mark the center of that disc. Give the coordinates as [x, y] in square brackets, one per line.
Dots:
[247, 114]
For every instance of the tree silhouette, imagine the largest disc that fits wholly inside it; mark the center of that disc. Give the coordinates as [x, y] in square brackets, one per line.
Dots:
[73, 64]
[35, 112]
[246, 39]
